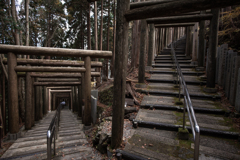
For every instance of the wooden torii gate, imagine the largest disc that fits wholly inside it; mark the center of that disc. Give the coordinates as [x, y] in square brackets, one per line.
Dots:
[12, 51]
[150, 10]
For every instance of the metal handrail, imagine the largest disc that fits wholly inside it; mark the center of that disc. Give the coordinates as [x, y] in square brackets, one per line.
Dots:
[52, 133]
[187, 103]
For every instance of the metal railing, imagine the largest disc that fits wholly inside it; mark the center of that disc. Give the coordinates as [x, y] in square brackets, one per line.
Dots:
[52, 133]
[187, 102]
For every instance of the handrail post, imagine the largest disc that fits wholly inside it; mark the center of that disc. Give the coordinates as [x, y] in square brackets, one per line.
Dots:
[179, 88]
[49, 150]
[196, 146]
[184, 111]
[54, 144]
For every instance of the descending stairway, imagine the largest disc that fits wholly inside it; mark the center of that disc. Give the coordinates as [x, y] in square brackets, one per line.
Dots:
[160, 117]
[71, 142]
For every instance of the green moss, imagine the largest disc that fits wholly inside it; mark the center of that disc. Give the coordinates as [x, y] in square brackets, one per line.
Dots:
[228, 122]
[106, 96]
[179, 118]
[186, 143]
[184, 152]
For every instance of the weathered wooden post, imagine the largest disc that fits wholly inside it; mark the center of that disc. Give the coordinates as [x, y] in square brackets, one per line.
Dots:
[201, 48]
[54, 101]
[73, 99]
[76, 98]
[141, 71]
[33, 102]
[45, 95]
[213, 41]
[80, 100]
[37, 102]
[120, 73]
[165, 38]
[3, 103]
[13, 116]
[195, 43]
[28, 97]
[82, 92]
[151, 45]
[40, 102]
[49, 100]
[70, 106]
[87, 92]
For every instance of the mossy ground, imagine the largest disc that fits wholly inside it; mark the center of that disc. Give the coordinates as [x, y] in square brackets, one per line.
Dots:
[106, 96]
[182, 151]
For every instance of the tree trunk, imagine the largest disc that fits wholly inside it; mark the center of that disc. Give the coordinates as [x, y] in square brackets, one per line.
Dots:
[101, 27]
[141, 71]
[95, 26]
[96, 37]
[134, 40]
[114, 37]
[201, 48]
[213, 42]
[150, 45]
[120, 73]
[14, 16]
[108, 37]
[89, 27]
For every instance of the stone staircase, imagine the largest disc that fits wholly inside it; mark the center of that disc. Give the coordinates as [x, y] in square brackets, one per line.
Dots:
[71, 142]
[159, 118]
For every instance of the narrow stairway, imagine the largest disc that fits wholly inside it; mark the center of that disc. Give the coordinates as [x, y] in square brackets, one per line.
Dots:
[159, 118]
[71, 142]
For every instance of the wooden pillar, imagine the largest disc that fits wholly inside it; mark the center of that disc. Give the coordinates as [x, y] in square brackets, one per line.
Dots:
[13, 112]
[40, 102]
[141, 71]
[53, 101]
[50, 100]
[37, 103]
[28, 99]
[188, 38]
[195, 43]
[80, 100]
[164, 38]
[73, 100]
[201, 48]
[4, 103]
[213, 41]
[1, 105]
[173, 39]
[120, 73]
[150, 45]
[82, 88]
[33, 102]
[70, 107]
[76, 98]
[87, 92]
[45, 95]
[169, 35]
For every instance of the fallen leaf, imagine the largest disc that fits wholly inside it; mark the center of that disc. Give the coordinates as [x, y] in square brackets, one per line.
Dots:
[150, 144]
[143, 147]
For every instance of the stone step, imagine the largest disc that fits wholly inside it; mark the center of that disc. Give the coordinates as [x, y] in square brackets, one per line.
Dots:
[211, 153]
[170, 58]
[62, 153]
[171, 65]
[155, 144]
[167, 61]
